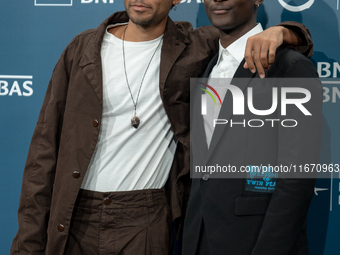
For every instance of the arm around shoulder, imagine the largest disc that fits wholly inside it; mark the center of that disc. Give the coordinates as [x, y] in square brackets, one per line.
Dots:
[303, 42]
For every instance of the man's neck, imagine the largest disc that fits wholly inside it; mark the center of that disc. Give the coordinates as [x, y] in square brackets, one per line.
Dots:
[137, 33]
[229, 36]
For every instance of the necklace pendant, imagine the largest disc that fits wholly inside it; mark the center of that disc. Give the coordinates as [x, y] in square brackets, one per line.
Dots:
[135, 121]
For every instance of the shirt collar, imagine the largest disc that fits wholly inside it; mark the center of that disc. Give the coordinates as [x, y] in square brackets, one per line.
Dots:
[237, 48]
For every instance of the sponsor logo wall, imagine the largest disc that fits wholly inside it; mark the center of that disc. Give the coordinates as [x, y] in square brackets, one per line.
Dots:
[35, 32]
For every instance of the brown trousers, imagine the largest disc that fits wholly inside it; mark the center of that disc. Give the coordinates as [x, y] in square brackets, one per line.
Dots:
[124, 223]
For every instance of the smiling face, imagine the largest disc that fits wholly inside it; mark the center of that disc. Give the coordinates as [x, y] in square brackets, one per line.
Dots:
[148, 12]
[230, 15]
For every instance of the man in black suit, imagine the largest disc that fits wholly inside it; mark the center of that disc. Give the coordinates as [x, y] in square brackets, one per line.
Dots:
[248, 213]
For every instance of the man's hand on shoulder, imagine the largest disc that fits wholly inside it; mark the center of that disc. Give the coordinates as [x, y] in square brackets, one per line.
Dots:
[261, 48]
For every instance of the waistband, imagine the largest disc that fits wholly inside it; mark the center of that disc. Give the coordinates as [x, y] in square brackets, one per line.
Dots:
[121, 199]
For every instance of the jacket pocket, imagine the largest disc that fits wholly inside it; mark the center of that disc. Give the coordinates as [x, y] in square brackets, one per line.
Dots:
[251, 205]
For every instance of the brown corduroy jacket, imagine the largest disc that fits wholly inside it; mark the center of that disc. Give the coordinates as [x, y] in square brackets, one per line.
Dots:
[69, 122]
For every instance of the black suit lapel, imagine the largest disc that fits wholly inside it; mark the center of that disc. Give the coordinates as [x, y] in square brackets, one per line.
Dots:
[210, 66]
[241, 79]
[199, 145]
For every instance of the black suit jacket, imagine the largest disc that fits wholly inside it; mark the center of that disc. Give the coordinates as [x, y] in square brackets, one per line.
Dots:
[239, 220]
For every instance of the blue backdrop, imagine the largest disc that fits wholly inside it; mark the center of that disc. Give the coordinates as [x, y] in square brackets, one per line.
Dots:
[35, 32]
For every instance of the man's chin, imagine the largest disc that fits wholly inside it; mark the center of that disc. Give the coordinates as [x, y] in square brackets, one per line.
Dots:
[141, 22]
[139, 18]
[221, 23]
[223, 27]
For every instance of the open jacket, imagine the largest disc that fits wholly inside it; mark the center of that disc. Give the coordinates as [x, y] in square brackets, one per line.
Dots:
[240, 216]
[69, 122]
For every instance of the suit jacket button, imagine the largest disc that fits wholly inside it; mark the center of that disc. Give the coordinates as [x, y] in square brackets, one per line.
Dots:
[107, 201]
[206, 177]
[76, 174]
[95, 123]
[61, 227]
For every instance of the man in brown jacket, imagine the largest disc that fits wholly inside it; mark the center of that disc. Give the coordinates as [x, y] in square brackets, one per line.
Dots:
[107, 169]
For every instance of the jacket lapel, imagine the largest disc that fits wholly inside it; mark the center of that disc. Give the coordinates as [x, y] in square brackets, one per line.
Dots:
[199, 144]
[210, 67]
[91, 58]
[174, 42]
[241, 79]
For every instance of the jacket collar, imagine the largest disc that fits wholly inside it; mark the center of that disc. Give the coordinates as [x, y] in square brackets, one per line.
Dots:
[92, 50]
[174, 42]
[91, 59]
[210, 67]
